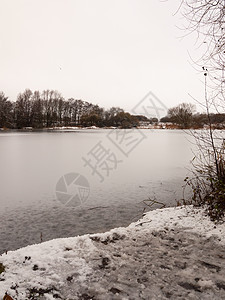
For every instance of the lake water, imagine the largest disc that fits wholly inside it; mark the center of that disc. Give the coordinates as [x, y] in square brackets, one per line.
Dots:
[139, 165]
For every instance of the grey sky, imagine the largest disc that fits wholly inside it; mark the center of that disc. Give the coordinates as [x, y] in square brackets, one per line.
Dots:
[107, 52]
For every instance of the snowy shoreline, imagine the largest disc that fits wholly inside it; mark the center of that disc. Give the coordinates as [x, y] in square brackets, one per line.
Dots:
[173, 253]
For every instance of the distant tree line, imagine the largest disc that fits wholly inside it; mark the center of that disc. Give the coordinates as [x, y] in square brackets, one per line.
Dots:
[49, 108]
[184, 116]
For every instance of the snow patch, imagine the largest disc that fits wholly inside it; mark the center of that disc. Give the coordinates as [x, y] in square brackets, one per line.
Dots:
[165, 245]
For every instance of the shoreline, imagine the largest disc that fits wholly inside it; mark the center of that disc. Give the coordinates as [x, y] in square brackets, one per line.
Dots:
[169, 253]
[76, 129]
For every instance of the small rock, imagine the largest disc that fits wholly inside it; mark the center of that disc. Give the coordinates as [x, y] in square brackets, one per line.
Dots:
[69, 278]
[105, 262]
[115, 290]
[35, 267]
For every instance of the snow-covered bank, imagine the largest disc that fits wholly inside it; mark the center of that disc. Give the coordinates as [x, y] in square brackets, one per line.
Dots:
[175, 253]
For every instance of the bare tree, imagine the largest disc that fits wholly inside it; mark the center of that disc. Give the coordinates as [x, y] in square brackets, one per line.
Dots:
[37, 110]
[207, 18]
[5, 111]
[23, 109]
[182, 114]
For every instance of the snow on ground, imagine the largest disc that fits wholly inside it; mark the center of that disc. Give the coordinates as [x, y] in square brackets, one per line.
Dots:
[175, 253]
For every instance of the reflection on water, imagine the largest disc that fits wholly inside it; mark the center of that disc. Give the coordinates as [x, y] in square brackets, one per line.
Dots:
[32, 163]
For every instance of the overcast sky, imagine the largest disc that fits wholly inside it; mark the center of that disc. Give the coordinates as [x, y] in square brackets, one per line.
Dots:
[109, 52]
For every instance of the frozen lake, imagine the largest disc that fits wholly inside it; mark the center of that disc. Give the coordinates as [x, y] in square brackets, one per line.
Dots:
[123, 168]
